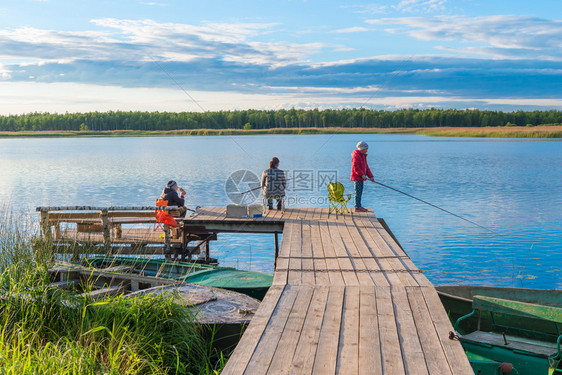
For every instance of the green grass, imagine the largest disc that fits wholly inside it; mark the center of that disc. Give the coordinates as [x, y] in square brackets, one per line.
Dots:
[45, 330]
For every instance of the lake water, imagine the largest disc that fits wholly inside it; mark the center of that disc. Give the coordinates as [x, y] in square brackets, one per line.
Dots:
[513, 187]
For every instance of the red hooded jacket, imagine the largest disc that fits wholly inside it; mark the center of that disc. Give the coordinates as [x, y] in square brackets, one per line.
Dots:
[359, 166]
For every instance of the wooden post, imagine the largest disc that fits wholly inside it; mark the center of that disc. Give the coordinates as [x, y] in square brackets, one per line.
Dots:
[57, 230]
[106, 231]
[207, 252]
[166, 239]
[46, 226]
[118, 231]
[276, 249]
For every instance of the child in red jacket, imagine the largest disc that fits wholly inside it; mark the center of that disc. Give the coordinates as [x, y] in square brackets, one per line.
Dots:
[360, 172]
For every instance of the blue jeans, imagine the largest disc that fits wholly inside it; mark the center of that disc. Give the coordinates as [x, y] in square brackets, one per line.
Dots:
[358, 193]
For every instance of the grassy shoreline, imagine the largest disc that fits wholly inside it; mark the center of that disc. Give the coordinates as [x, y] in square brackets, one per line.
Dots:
[47, 330]
[542, 131]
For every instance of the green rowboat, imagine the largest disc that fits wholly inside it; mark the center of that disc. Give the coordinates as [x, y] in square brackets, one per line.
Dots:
[253, 284]
[505, 330]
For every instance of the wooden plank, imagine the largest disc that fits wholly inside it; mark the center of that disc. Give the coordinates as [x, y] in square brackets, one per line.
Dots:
[219, 213]
[370, 263]
[261, 358]
[320, 267]
[376, 273]
[351, 241]
[391, 351]
[283, 355]
[382, 263]
[303, 362]
[245, 349]
[75, 215]
[433, 351]
[395, 275]
[421, 279]
[328, 341]
[452, 348]
[378, 248]
[289, 213]
[412, 353]
[322, 212]
[396, 249]
[348, 271]
[348, 350]
[306, 254]
[280, 274]
[294, 276]
[335, 275]
[64, 284]
[370, 361]
[109, 291]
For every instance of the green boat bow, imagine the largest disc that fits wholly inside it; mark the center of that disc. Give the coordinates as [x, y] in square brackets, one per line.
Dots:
[253, 284]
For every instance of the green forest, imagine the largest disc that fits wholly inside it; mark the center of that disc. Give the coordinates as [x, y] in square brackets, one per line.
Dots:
[268, 119]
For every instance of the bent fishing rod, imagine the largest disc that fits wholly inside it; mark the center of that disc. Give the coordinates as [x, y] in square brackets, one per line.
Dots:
[432, 205]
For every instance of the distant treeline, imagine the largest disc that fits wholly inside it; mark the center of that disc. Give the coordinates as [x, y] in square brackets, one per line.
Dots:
[258, 119]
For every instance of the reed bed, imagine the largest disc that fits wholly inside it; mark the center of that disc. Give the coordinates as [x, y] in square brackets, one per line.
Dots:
[541, 131]
[46, 330]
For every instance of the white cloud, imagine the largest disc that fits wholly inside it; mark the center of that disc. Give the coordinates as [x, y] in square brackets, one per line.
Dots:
[128, 58]
[71, 97]
[371, 9]
[156, 4]
[147, 40]
[420, 6]
[403, 6]
[356, 29]
[503, 36]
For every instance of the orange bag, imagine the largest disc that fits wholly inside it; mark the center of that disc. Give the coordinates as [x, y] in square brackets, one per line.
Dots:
[164, 218]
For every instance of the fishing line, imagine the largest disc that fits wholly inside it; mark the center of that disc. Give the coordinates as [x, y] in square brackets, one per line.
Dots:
[390, 78]
[520, 274]
[432, 205]
[197, 103]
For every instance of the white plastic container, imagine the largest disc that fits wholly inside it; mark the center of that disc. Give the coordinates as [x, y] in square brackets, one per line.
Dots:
[236, 211]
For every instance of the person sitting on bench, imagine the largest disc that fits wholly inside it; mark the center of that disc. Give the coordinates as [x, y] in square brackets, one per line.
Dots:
[170, 194]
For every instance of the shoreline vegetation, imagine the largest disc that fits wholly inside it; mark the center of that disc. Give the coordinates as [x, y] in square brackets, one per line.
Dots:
[47, 330]
[540, 131]
[433, 121]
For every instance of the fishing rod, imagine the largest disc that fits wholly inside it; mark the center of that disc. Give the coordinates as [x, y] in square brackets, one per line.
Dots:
[432, 205]
[259, 187]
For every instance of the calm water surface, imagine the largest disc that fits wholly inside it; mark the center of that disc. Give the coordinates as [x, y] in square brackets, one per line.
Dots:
[513, 187]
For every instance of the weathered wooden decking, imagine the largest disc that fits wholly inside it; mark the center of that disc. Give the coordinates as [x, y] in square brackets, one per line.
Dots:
[346, 299]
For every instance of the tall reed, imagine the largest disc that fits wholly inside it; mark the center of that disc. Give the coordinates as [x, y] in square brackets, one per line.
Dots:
[46, 330]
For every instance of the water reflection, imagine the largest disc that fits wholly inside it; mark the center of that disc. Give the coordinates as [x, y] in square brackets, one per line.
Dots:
[511, 186]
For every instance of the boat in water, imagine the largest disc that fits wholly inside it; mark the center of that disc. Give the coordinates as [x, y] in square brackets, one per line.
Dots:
[220, 314]
[507, 330]
[253, 284]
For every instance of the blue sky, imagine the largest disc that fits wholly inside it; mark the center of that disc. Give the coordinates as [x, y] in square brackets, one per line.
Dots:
[182, 55]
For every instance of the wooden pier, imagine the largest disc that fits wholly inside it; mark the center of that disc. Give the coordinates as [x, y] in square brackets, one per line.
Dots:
[346, 299]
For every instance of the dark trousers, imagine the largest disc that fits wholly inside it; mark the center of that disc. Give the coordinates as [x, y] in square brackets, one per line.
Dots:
[358, 193]
[270, 203]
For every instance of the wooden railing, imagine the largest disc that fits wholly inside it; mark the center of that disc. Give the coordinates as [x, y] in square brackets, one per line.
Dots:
[101, 219]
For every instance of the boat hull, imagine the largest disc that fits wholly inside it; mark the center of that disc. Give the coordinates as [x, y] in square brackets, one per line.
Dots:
[486, 356]
[253, 284]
